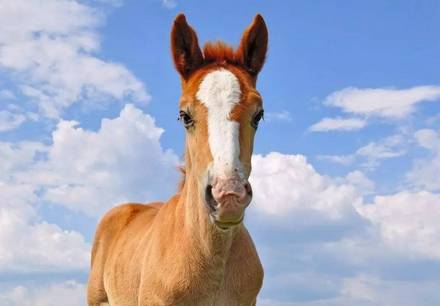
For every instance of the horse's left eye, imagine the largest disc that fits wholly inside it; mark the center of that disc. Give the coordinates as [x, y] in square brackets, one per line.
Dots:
[256, 119]
[186, 119]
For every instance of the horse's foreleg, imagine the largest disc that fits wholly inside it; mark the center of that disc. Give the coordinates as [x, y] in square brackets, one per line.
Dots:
[96, 295]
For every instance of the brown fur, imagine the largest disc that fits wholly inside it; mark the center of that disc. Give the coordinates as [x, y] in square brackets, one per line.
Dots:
[219, 52]
[251, 53]
[171, 253]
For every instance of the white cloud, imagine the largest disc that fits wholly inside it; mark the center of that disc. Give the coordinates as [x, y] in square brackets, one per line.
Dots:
[170, 4]
[376, 151]
[338, 124]
[10, 120]
[17, 157]
[362, 183]
[288, 184]
[368, 290]
[89, 171]
[339, 159]
[372, 154]
[51, 54]
[428, 139]
[7, 95]
[278, 116]
[408, 222]
[312, 229]
[29, 244]
[382, 102]
[386, 148]
[424, 172]
[68, 293]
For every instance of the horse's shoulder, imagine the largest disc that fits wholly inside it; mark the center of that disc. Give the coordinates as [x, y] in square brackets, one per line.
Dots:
[118, 219]
[121, 215]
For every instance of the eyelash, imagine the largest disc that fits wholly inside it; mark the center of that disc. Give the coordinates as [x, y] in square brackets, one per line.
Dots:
[257, 118]
[186, 119]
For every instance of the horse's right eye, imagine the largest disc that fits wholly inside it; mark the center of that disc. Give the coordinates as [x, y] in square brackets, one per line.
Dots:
[186, 119]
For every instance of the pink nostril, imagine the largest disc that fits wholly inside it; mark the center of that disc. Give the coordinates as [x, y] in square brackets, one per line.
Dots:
[231, 187]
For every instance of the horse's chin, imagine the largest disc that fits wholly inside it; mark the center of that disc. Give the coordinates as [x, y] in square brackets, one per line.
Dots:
[228, 225]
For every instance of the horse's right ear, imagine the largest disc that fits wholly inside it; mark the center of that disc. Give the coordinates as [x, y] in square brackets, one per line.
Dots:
[185, 48]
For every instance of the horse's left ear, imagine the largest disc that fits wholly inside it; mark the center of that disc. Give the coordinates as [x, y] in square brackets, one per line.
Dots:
[253, 46]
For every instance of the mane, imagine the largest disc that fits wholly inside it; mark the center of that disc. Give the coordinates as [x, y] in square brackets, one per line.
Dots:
[220, 52]
[181, 183]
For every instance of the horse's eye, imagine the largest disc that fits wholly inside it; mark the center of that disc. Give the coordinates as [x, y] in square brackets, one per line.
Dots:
[256, 119]
[186, 119]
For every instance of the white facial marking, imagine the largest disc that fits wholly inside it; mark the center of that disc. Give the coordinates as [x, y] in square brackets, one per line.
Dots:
[220, 92]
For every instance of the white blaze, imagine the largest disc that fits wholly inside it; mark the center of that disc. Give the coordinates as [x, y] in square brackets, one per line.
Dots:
[220, 92]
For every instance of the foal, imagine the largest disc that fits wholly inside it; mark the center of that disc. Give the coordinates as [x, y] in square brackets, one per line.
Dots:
[194, 249]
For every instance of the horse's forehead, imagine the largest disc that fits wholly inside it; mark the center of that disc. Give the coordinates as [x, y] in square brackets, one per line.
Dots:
[219, 79]
[219, 90]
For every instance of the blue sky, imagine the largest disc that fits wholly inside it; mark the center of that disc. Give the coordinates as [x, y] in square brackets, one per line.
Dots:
[347, 201]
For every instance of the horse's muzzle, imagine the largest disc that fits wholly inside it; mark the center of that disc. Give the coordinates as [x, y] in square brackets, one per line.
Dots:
[227, 200]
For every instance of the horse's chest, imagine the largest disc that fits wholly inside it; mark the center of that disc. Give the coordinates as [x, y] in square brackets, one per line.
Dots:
[216, 287]
[222, 287]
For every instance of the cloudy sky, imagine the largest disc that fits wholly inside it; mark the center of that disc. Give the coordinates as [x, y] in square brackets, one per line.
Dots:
[347, 197]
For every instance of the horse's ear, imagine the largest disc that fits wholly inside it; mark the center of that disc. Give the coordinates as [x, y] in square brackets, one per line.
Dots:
[185, 48]
[253, 46]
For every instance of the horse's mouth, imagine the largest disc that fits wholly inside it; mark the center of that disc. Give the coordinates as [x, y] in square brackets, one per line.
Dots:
[214, 210]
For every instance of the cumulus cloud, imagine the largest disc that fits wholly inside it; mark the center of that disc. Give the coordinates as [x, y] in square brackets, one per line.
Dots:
[313, 229]
[382, 102]
[424, 172]
[288, 184]
[362, 183]
[340, 124]
[368, 290]
[67, 293]
[407, 222]
[278, 116]
[28, 244]
[10, 120]
[52, 55]
[372, 154]
[89, 171]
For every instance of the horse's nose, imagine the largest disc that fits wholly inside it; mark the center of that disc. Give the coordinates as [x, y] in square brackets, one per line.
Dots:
[227, 200]
[237, 188]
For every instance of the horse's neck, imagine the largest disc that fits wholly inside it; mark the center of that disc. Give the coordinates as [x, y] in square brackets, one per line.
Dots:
[206, 242]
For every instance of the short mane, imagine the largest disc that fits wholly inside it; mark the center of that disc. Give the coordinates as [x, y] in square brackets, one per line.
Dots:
[220, 52]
